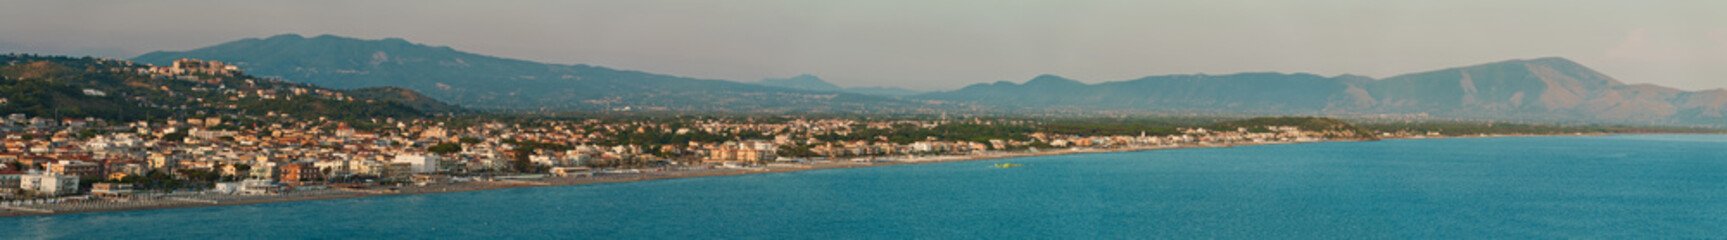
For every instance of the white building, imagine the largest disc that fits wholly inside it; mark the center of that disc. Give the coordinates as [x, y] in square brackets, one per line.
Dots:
[335, 167]
[226, 187]
[248, 186]
[263, 170]
[49, 184]
[366, 167]
[94, 92]
[208, 134]
[547, 160]
[421, 163]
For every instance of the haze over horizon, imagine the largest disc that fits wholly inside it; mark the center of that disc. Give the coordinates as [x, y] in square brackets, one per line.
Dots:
[942, 45]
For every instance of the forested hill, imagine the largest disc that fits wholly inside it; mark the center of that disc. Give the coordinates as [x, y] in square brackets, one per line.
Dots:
[66, 87]
[405, 96]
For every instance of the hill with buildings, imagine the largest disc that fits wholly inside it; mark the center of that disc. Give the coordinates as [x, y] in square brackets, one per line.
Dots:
[487, 82]
[65, 87]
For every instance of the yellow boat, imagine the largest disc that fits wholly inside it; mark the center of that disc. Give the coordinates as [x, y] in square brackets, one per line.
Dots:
[1008, 165]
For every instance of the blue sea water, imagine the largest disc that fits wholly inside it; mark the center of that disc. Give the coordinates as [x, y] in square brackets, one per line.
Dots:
[1651, 186]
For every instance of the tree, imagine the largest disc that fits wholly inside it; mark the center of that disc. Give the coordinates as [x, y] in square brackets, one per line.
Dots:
[802, 151]
[87, 133]
[522, 164]
[198, 176]
[131, 179]
[86, 182]
[158, 180]
[174, 137]
[445, 148]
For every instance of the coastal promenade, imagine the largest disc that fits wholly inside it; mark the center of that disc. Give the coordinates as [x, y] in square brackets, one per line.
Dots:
[203, 199]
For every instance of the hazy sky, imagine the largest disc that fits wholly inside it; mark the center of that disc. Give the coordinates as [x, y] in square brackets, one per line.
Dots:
[923, 44]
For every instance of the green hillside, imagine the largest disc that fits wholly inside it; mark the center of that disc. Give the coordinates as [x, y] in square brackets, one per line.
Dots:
[66, 87]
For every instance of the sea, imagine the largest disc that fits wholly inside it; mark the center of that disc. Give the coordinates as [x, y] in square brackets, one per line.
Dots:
[1606, 187]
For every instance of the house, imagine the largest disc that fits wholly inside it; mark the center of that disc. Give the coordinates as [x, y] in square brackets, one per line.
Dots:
[30, 161]
[298, 172]
[334, 167]
[75, 168]
[9, 179]
[49, 184]
[263, 170]
[163, 162]
[420, 163]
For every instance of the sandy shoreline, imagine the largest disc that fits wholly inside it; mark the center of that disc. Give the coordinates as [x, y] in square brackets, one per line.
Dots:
[645, 176]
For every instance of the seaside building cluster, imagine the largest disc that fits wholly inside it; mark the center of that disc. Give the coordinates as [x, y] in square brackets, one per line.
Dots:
[238, 155]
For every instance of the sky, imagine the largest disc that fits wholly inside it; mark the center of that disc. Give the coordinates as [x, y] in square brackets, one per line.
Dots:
[935, 45]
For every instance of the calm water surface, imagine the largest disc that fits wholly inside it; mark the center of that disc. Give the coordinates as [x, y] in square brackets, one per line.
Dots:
[1537, 187]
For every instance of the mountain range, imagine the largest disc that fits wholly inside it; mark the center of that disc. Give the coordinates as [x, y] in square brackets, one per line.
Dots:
[811, 82]
[1547, 89]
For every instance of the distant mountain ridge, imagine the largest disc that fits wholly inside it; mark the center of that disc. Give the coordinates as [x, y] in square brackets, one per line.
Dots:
[499, 83]
[1545, 89]
[1549, 89]
[1246, 92]
[806, 82]
[813, 83]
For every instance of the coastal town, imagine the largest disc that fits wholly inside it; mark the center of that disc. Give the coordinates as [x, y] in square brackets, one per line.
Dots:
[73, 165]
[1033, 119]
[204, 133]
